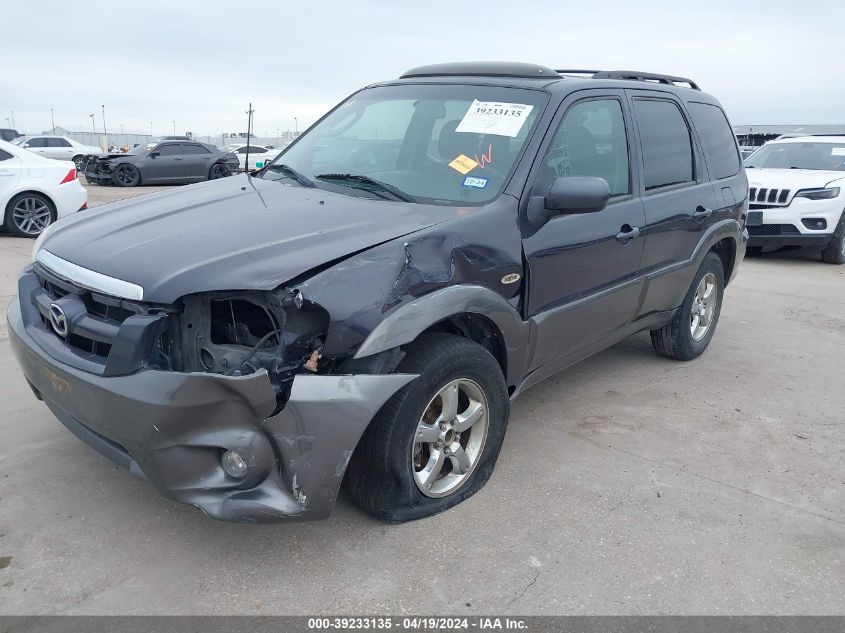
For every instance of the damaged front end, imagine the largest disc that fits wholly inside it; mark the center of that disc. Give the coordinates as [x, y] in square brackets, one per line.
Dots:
[98, 170]
[171, 392]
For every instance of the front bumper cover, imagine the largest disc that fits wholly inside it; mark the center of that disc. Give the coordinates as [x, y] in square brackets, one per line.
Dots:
[172, 428]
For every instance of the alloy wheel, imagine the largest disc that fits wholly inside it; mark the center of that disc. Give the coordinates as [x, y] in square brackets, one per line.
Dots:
[450, 438]
[703, 307]
[31, 215]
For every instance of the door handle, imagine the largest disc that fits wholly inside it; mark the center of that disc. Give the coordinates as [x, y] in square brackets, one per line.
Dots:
[701, 213]
[627, 233]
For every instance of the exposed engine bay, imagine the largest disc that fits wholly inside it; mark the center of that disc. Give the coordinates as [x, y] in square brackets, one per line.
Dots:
[239, 333]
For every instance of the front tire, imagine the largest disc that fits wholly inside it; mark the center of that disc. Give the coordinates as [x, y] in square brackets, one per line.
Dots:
[834, 252]
[689, 332]
[28, 214]
[126, 175]
[436, 441]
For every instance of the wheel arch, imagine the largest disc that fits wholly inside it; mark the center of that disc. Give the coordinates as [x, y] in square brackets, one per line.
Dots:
[470, 311]
[725, 248]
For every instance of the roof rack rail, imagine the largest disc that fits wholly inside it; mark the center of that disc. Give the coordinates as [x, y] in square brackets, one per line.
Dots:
[483, 69]
[636, 75]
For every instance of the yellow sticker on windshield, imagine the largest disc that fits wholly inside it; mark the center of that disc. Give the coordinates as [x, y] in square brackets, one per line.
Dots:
[463, 164]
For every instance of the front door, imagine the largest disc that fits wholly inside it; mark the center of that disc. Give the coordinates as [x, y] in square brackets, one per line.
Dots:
[166, 165]
[584, 269]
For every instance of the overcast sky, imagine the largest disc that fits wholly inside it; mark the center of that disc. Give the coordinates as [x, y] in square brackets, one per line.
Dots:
[200, 62]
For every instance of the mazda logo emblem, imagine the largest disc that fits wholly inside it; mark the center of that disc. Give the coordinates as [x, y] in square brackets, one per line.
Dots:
[58, 320]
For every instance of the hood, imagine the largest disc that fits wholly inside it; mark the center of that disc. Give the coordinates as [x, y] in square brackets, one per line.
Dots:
[236, 233]
[792, 179]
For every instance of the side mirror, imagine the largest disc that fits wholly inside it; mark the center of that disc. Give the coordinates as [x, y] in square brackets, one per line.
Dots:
[154, 154]
[570, 194]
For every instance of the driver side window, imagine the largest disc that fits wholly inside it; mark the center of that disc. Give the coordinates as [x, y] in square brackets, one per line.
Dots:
[590, 141]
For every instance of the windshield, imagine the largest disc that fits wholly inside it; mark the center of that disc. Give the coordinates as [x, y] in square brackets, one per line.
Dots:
[20, 140]
[824, 156]
[142, 149]
[441, 144]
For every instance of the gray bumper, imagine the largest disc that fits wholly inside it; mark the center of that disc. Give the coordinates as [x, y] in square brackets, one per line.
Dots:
[172, 428]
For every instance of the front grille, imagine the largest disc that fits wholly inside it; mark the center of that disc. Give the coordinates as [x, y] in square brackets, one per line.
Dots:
[768, 197]
[93, 320]
[773, 230]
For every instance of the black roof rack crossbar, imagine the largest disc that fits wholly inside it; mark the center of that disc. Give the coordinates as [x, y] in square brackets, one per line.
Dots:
[576, 72]
[636, 75]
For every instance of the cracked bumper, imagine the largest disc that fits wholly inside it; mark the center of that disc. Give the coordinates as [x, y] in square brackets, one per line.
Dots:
[172, 428]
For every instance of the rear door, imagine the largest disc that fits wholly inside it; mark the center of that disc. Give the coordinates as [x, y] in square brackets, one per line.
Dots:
[197, 161]
[59, 148]
[584, 269]
[678, 196]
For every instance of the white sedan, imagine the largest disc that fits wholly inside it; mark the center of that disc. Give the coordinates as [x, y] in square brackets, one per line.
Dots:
[59, 148]
[36, 191]
[258, 154]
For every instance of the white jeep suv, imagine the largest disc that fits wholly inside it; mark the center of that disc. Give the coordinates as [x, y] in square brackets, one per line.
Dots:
[797, 195]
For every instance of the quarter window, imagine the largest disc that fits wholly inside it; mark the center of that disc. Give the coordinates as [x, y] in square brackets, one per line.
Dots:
[4, 155]
[666, 143]
[590, 141]
[717, 138]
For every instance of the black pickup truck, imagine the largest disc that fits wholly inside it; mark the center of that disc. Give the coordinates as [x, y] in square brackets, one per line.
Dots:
[364, 308]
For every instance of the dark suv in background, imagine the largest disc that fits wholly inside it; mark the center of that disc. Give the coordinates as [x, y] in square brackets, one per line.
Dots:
[365, 307]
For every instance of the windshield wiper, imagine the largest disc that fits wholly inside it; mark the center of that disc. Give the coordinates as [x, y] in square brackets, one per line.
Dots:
[371, 184]
[290, 172]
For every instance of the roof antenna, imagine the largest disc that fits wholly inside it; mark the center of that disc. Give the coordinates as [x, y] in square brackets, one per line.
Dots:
[248, 130]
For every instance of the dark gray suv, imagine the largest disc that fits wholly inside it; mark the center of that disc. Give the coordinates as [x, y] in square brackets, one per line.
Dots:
[364, 308]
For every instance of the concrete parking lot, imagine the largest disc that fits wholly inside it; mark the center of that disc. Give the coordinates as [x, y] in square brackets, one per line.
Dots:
[629, 484]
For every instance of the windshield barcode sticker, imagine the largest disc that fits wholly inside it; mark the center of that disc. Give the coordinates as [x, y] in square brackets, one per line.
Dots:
[490, 117]
[473, 181]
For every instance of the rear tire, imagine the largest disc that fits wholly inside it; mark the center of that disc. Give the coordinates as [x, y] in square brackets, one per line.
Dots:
[834, 252]
[689, 332]
[219, 170]
[416, 459]
[78, 162]
[28, 214]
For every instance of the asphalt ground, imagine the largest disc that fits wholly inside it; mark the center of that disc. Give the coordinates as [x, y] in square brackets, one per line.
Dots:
[629, 484]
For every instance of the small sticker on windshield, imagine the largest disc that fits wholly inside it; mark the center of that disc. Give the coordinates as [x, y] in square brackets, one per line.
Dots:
[490, 117]
[472, 181]
[837, 151]
[463, 164]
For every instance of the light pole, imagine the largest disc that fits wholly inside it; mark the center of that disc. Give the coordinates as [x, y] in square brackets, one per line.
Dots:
[52, 121]
[278, 138]
[295, 127]
[151, 129]
[13, 118]
[93, 126]
[105, 131]
[174, 128]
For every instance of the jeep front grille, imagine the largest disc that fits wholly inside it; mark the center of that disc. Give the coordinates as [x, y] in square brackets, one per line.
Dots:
[769, 197]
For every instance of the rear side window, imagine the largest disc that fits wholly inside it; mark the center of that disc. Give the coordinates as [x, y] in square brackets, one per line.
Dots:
[665, 143]
[717, 137]
[57, 142]
[194, 149]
